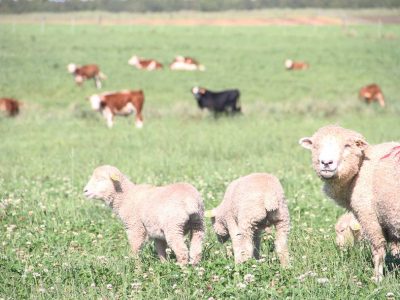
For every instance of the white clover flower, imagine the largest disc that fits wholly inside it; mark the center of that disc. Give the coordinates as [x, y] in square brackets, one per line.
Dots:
[109, 286]
[241, 285]
[322, 280]
[248, 278]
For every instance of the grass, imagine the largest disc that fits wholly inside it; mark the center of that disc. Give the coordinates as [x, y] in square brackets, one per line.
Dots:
[57, 245]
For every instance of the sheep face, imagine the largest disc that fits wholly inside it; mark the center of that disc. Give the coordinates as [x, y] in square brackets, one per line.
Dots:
[348, 230]
[220, 230]
[337, 153]
[104, 182]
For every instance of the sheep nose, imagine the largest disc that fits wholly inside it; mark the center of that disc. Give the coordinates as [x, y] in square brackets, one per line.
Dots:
[326, 163]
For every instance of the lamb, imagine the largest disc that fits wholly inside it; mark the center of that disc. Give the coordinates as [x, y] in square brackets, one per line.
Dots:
[348, 230]
[250, 205]
[164, 214]
[362, 178]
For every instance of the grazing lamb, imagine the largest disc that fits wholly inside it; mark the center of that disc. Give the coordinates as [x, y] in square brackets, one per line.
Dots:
[363, 179]
[348, 230]
[82, 73]
[295, 65]
[250, 205]
[10, 106]
[371, 93]
[165, 214]
[145, 64]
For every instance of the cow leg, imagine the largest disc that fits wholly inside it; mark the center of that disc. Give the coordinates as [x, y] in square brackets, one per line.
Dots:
[108, 115]
[139, 120]
[98, 82]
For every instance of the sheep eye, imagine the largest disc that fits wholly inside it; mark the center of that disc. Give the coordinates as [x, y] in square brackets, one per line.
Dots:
[347, 146]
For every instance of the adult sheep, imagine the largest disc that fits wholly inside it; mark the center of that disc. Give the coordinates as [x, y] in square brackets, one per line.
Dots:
[363, 179]
[164, 214]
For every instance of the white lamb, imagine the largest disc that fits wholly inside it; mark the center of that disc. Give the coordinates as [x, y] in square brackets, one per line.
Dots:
[250, 205]
[165, 214]
[363, 179]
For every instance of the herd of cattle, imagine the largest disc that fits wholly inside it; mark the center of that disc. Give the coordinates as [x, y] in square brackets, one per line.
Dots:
[127, 102]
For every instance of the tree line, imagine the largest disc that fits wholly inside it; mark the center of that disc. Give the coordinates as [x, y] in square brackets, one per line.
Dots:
[22, 6]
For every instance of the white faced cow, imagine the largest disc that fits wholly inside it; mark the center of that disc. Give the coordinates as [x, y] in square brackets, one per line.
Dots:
[123, 103]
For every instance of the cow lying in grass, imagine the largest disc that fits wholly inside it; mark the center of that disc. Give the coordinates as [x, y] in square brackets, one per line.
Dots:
[9, 106]
[186, 64]
[145, 64]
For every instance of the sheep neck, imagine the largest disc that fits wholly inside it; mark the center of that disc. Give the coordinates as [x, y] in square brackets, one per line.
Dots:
[119, 196]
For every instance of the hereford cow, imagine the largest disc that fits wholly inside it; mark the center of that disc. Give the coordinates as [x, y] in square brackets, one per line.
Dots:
[9, 106]
[186, 64]
[123, 103]
[145, 64]
[371, 93]
[82, 73]
[296, 65]
[218, 102]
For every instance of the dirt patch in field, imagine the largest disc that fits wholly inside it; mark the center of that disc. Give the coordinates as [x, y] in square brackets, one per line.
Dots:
[231, 21]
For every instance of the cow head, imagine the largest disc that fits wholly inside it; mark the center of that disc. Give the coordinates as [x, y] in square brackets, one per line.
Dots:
[134, 60]
[198, 92]
[71, 68]
[95, 102]
[288, 63]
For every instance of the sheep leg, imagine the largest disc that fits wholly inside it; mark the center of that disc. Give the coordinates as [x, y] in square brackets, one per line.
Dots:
[136, 237]
[196, 242]
[246, 242]
[175, 240]
[256, 242]
[161, 246]
[375, 235]
[281, 241]
[233, 230]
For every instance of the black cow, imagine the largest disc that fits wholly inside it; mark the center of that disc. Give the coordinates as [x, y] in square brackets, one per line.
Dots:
[218, 102]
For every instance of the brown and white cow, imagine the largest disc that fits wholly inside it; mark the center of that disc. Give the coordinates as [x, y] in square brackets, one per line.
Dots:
[82, 73]
[145, 64]
[186, 64]
[371, 93]
[122, 103]
[9, 106]
[295, 65]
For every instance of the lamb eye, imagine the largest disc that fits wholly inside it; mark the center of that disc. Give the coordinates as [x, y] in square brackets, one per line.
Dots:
[347, 146]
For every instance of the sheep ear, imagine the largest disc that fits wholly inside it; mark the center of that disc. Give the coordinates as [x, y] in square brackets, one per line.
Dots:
[362, 144]
[355, 226]
[115, 177]
[202, 91]
[306, 142]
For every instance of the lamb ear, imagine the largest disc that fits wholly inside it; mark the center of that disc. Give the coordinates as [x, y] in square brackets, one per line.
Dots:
[306, 142]
[355, 226]
[115, 177]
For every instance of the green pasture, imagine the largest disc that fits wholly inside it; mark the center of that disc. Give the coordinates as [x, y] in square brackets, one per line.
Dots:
[55, 244]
